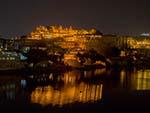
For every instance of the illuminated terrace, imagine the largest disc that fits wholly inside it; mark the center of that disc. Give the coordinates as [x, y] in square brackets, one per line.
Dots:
[61, 32]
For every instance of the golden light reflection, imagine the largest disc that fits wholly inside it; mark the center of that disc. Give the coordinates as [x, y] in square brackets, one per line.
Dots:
[99, 71]
[71, 77]
[68, 94]
[122, 76]
[141, 80]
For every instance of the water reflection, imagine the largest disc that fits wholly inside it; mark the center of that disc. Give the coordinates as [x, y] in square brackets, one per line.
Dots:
[136, 80]
[8, 87]
[141, 80]
[71, 77]
[94, 73]
[23, 83]
[68, 94]
[76, 86]
[73, 90]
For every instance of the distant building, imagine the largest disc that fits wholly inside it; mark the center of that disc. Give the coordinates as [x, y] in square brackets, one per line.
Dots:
[70, 38]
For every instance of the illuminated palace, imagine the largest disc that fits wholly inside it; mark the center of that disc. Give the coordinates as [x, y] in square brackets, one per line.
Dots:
[69, 37]
[78, 40]
[139, 43]
[74, 40]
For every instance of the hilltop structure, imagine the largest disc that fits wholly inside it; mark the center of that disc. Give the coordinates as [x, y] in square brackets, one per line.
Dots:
[76, 41]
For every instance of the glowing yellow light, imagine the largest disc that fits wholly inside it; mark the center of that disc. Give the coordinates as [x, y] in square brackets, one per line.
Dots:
[68, 94]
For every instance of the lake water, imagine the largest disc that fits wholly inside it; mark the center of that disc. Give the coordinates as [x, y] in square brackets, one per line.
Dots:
[74, 91]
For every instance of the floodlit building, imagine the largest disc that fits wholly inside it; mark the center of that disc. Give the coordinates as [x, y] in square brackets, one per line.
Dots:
[70, 38]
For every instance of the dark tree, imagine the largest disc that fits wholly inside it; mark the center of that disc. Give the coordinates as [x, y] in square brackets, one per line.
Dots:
[114, 52]
[36, 55]
[81, 57]
[92, 55]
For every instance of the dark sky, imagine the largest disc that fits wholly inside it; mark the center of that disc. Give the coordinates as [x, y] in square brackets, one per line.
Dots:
[20, 17]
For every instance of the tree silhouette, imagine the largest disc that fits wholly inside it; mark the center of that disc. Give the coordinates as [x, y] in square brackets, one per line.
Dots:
[113, 52]
[92, 55]
[36, 55]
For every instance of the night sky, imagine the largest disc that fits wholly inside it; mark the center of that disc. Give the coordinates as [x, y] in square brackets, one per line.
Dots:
[127, 17]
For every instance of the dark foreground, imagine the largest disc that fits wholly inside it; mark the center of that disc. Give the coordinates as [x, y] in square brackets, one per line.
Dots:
[95, 91]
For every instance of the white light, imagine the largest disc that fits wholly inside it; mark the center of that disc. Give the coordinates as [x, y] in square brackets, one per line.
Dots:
[145, 34]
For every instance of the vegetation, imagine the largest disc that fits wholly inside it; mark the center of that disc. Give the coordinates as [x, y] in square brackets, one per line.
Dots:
[92, 55]
[53, 53]
[36, 55]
